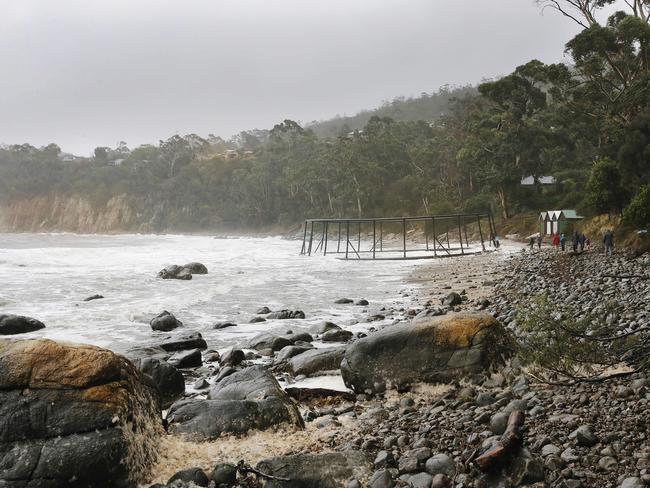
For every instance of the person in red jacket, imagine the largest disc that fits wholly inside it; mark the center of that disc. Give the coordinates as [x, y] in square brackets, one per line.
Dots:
[556, 240]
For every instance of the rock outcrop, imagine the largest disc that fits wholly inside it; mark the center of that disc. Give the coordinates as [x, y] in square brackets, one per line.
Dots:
[176, 272]
[245, 400]
[74, 415]
[17, 324]
[437, 349]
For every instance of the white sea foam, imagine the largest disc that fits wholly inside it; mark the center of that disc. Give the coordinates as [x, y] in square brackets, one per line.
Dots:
[47, 276]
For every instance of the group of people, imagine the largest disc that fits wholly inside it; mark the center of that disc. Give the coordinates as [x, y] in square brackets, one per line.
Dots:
[578, 241]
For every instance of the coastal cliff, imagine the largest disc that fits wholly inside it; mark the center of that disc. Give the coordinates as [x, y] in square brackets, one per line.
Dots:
[69, 213]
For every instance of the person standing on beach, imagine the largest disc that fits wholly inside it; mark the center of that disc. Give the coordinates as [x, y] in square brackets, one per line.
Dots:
[582, 240]
[539, 241]
[531, 242]
[556, 240]
[608, 241]
[575, 240]
[563, 241]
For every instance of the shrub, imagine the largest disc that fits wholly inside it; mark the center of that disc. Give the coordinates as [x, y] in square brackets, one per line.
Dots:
[604, 191]
[637, 211]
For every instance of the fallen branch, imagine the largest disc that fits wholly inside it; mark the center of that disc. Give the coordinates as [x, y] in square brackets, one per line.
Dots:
[245, 469]
[510, 441]
[587, 379]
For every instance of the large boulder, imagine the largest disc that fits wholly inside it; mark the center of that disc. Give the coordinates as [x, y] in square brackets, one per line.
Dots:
[196, 268]
[175, 272]
[17, 324]
[249, 399]
[74, 416]
[436, 349]
[168, 379]
[317, 361]
[165, 322]
[329, 470]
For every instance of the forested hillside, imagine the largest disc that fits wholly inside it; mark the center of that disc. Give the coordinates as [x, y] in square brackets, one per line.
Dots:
[587, 124]
[428, 107]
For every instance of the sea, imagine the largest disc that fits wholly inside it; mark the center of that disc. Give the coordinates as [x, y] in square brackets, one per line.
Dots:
[48, 276]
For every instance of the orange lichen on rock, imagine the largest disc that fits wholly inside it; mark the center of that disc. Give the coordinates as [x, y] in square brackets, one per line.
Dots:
[44, 363]
[463, 330]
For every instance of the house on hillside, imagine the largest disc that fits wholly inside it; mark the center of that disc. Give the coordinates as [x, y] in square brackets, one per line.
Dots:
[558, 221]
[541, 180]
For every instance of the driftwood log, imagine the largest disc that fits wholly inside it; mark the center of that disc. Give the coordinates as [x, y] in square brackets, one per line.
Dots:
[244, 469]
[508, 443]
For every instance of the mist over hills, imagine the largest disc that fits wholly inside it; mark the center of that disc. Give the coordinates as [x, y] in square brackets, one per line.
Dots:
[427, 107]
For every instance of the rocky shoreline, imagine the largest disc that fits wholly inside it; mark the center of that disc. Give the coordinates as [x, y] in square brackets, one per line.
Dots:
[395, 430]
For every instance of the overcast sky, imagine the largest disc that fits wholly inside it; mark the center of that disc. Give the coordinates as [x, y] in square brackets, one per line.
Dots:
[84, 73]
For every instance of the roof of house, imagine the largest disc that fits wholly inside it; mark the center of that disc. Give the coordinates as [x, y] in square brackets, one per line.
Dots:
[568, 214]
[542, 180]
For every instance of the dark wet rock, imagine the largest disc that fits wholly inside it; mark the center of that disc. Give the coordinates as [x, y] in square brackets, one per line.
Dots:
[196, 268]
[175, 272]
[288, 352]
[585, 436]
[165, 322]
[299, 337]
[330, 470]
[186, 359]
[232, 357]
[325, 327]
[256, 320]
[452, 299]
[263, 311]
[267, 340]
[441, 349]
[362, 302]
[180, 342]
[286, 314]
[167, 379]
[18, 324]
[339, 335]
[245, 400]
[191, 475]
[316, 361]
[223, 325]
[343, 301]
[74, 416]
[93, 297]
[224, 473]
[251, 383]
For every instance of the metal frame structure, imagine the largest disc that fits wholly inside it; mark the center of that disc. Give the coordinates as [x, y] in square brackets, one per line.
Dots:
[437, 230]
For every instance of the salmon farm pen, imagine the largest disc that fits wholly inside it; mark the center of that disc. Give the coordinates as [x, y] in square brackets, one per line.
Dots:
[386, 237]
